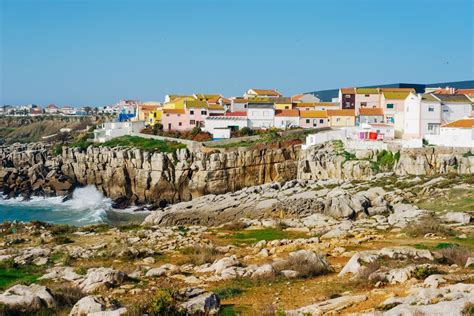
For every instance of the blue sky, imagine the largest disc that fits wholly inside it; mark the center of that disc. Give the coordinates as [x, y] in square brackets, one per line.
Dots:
[95, 52]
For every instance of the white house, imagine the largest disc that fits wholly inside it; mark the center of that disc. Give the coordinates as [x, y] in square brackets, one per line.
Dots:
[238, 104]
[454, 106]
[112, 130]
[51, 109]
[216, 124]
[261, 115]
[422, 116]
[459, 133]
[371, 115]
[285, 119]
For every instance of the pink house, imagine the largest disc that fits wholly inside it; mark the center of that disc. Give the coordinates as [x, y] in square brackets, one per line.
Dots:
[194, 114]
[174, 119]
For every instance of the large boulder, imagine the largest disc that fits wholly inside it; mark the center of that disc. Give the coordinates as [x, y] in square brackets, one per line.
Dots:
[27, 298]
[328, 307]
[200, 301]
[96, 306]
[97, 278]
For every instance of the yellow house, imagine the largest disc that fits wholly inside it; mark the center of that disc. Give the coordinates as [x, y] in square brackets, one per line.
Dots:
[177, 103]
[145, 111]
[341, 118]
[155, 117]
[283, 106]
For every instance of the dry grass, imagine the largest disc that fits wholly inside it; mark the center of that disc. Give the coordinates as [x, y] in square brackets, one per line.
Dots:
[199, 255]
[306, 266]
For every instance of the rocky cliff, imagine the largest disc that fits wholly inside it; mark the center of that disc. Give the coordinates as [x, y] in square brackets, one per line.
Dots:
[136, 177]
[142, 177]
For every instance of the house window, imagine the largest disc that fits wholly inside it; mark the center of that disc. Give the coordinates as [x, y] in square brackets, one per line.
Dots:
[321, 121]
[363, 104]
[431, 108]
[347, 96]
[307, 121]
[180, 124]
[265, 113]
[338, 119]
[348, 104]
[191, 112]
[192, 122]
[367, 95]
[315, 122]
[254, 113]
[389, 105]
[167, 115]
[203, 112]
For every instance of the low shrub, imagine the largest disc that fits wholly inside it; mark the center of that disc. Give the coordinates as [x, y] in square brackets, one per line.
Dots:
[422, 272]
[162, 302]
[61, 240]
[456, 255]
[428, 224]
[199, 255]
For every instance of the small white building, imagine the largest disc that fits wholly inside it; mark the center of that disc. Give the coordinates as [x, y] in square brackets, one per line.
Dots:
[285, 119]
[422, 116]
[261, 115]
[454, 106]
[459, 133]
[51, 109]
[216, 125]
[112, 130]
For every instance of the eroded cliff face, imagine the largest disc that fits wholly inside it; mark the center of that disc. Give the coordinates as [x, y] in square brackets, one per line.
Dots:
[137, 177]
[143, 177]
[324, 162]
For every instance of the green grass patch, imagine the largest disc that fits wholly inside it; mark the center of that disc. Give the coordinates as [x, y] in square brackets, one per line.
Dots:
[232, 310]
[10, 276]
[421, 246]
[228, 292]
[457, 200]
[144, 144]
[445, 245]
[268, 234]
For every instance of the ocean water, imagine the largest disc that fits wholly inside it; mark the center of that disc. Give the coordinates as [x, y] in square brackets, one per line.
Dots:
[87, 206]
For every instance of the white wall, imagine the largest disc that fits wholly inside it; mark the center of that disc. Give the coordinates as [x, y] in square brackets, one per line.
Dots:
[211, 123]
[322, 137]
[221, 133]
[455, 111]
[112, 130]
[453, 137]
[261, 118]
[286, 121]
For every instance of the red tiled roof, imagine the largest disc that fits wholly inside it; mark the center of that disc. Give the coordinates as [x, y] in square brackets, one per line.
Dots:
[371, 111]
[173, 111]
[241, 100]
[466, 91]
[243, 113]
[348, 90]
[292, 113]
[464, 123]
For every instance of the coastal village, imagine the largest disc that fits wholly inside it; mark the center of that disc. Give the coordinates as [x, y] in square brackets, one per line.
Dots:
[437, 115]
[261, 204]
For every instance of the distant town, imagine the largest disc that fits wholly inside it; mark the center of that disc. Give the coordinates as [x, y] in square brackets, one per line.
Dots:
[437, 115]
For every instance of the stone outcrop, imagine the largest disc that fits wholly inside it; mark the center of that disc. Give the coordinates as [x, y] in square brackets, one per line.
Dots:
[133, 176]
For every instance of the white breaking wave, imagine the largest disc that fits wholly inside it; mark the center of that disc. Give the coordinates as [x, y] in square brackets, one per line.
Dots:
[86, 206]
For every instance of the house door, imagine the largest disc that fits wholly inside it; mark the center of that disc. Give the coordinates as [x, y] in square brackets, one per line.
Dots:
[169, 126]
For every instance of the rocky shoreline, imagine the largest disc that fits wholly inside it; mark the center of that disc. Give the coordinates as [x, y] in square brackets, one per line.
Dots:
[387, 245]
[136, 177]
